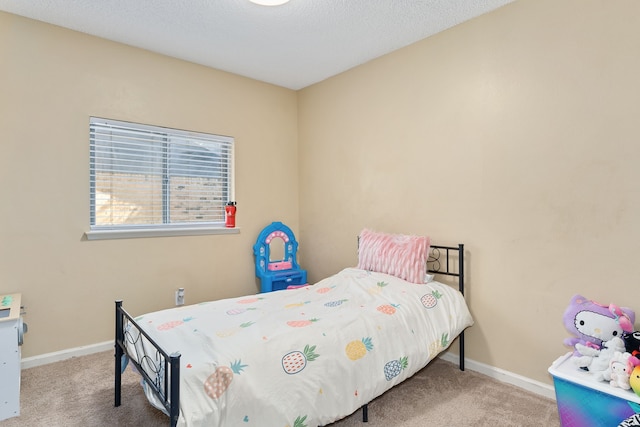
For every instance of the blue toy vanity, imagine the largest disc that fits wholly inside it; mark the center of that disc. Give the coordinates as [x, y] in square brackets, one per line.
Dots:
[276, 259]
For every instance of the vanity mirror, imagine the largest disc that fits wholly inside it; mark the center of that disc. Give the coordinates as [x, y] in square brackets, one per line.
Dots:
[276, 259]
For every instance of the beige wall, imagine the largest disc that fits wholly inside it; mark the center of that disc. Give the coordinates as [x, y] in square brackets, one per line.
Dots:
[517, 134]
[51, 81]
[514, 133]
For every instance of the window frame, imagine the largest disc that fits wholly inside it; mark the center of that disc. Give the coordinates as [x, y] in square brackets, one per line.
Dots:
[168, 228]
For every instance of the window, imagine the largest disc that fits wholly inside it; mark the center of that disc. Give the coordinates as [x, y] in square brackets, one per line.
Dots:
[149, 180]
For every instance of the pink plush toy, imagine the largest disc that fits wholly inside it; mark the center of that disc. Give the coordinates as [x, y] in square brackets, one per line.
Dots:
[591, 323]
[619, 370]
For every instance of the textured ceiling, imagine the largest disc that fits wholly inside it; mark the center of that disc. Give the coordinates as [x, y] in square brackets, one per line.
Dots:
[294, 45]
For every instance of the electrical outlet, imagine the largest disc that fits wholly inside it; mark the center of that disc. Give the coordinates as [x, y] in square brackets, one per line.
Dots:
[180, 296]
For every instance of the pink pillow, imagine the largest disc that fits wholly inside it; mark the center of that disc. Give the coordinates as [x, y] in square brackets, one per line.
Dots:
[395, 254]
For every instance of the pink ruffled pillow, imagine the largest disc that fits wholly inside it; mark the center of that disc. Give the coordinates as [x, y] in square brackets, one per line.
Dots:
[395, 254]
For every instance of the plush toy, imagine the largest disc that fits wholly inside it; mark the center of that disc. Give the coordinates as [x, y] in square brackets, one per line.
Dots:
[597, 361]
[632, 342]
[619, 370]
[592, 323]
[634, 378]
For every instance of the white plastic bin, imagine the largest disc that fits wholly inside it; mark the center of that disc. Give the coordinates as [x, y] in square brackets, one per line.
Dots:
[585, 402]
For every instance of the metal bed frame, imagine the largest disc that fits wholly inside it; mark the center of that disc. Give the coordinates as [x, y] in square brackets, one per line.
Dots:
[165, 387]
[165, 384]
[438, 268]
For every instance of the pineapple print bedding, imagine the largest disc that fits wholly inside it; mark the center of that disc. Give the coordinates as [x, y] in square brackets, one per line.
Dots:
[308, 356]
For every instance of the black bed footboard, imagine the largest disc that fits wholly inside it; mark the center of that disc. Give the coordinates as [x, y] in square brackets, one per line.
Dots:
[160, 371]
[441, 261]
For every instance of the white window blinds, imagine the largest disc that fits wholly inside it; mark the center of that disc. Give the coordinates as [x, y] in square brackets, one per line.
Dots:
[145, 176]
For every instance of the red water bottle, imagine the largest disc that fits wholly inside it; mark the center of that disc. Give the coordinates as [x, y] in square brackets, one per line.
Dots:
[230, 215]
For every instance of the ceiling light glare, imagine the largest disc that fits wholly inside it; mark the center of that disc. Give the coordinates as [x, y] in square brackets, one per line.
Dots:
[269, 2]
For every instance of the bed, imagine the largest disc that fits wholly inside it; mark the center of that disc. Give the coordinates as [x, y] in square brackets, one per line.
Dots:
[301, 357]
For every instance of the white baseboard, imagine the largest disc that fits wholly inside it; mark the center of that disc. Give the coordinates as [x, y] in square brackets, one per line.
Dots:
[57, 356]
[525, 383]
[490, 371]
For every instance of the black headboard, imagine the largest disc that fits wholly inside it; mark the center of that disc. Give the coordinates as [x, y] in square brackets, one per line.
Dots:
[441, 259]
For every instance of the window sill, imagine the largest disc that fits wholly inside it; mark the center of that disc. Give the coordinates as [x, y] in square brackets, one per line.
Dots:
[160, 232]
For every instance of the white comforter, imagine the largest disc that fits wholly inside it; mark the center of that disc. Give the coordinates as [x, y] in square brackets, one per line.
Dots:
[309, 356]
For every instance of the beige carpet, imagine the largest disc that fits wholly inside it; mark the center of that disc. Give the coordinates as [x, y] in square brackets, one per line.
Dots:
[79, 392]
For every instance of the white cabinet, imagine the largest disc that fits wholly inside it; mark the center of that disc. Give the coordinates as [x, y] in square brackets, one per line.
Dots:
[11, 330]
